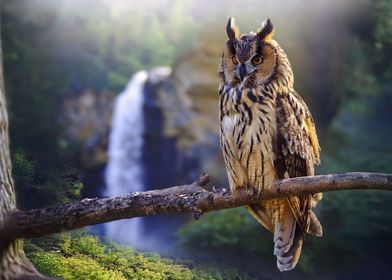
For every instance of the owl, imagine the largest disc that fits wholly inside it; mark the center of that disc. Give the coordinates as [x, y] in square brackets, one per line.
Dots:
[267, 133]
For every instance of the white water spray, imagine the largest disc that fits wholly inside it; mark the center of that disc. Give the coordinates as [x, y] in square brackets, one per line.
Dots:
[124, 172]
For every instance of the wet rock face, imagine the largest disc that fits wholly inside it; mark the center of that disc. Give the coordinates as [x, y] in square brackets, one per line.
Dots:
[159, 150]
[180, 134]
[165, 163]
[188, 101]
[87, 119]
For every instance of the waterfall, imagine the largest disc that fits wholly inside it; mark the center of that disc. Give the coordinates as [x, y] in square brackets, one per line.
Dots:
[124, 171]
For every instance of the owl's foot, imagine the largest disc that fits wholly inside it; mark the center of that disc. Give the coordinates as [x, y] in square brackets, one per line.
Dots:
[250, 190]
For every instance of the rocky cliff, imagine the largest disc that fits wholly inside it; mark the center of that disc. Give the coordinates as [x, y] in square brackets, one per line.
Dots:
[188, 100]
[87, 117]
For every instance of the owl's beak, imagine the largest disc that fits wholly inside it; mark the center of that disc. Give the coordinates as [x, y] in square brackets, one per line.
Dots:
[242, 71]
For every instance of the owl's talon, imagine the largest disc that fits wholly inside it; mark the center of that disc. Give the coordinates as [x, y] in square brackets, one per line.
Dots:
[249, 190]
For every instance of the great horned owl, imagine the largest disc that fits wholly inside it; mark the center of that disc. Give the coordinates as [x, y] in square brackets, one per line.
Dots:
[267, 133]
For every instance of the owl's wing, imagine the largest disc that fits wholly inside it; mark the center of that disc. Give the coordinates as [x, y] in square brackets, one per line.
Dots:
[297, 151]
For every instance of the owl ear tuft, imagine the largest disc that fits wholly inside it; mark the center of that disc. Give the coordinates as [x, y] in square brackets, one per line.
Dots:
[267, 31]
[232, 30]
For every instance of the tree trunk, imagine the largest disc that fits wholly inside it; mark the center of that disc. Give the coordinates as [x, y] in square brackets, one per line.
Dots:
[13, 262]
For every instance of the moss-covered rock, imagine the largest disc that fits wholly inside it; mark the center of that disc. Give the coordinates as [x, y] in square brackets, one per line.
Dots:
[82, 256]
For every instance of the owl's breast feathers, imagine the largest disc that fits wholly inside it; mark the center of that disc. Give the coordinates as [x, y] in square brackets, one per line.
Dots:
[265, 137]
[247, 128]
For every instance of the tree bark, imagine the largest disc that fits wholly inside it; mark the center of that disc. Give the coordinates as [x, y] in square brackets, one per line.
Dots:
[13, 262]
[192, 198]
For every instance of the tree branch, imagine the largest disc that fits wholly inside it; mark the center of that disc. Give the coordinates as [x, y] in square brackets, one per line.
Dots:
[188, 198]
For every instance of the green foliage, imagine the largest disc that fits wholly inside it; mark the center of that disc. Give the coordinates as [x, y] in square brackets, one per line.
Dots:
[383, 30]
[24, 169]
[81, 256]
[71, 267]
[57, 186]
[226, 229]
[369, 47]
[350, 146]
[235, 232]
[205, 272]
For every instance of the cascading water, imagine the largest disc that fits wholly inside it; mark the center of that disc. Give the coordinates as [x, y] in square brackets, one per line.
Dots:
[124, 172]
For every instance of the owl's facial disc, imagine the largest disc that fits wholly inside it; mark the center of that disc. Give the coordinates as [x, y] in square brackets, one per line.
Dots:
[248, 59]
[243, 70]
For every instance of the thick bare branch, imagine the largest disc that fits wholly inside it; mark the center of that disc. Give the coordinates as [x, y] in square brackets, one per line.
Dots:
[188, 198]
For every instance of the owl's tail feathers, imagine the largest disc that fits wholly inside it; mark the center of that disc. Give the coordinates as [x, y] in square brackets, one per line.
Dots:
[288, 235]
[288, 238]
[288, 260]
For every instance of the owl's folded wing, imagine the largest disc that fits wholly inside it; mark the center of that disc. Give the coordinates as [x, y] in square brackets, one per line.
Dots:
[297, 151]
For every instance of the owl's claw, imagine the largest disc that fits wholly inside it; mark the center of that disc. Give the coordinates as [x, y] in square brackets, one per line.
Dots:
[250, 190]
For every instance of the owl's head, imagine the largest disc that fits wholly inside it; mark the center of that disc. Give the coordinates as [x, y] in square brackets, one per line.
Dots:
[250, 59]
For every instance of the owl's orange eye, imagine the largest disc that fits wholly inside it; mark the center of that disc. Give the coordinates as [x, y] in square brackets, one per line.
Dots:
[234, 59]
[256, 60]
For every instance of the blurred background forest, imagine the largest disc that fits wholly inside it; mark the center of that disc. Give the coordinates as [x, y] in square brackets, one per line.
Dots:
[66, 61]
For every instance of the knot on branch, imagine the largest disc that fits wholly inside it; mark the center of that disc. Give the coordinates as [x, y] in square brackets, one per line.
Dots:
[203, 180]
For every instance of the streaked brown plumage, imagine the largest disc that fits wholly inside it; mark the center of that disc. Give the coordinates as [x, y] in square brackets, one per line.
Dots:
[267, 133]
